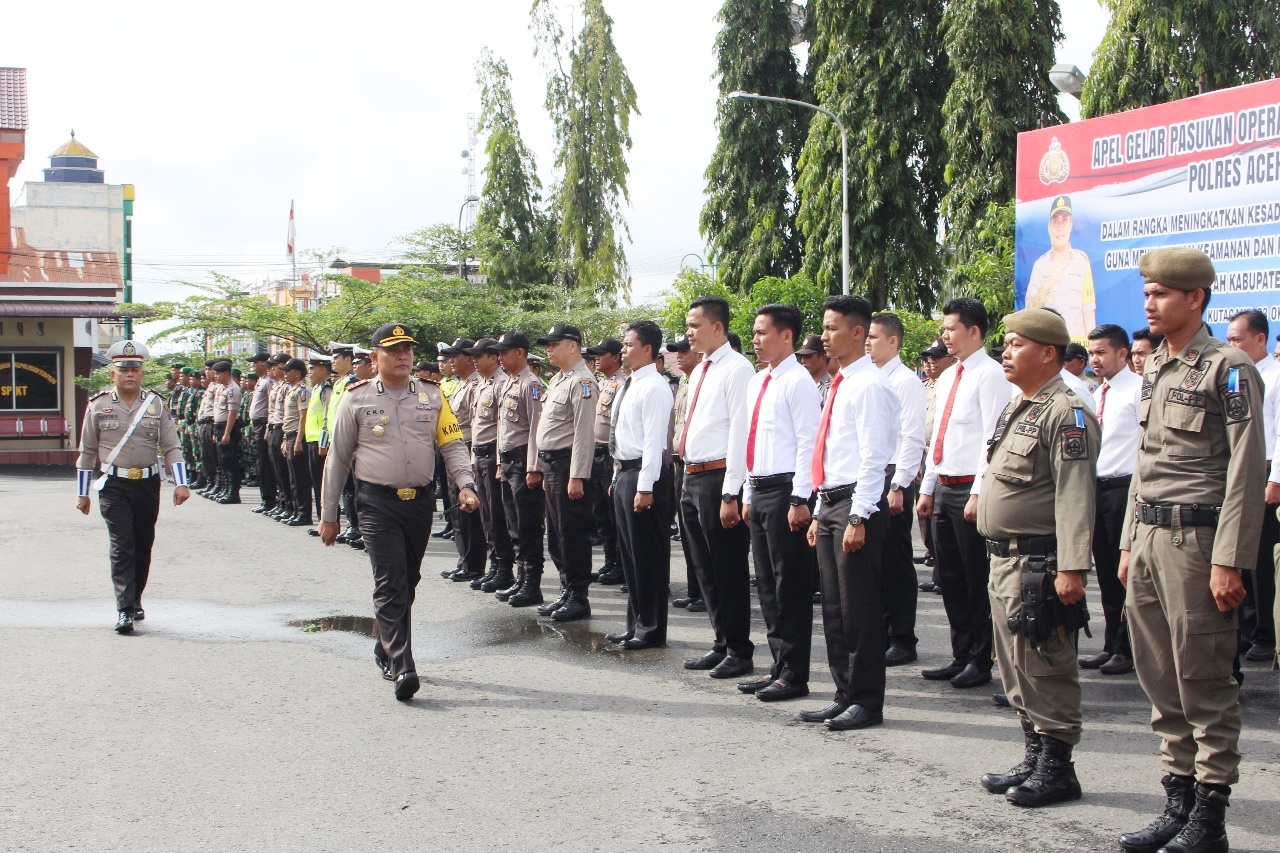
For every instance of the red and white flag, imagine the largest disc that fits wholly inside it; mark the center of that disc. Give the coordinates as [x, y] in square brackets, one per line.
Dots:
[292, 233]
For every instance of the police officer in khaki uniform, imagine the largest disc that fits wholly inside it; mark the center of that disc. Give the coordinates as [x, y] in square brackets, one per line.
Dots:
[294, 447]
[687, 359]
[123, 430]
[608, 357]
[204, 431]
[566, 445]
[522, 494]
[468, 532]
[1197, 496]
[226, 433]
[275, 438]
[1036, 512]
[485, 410]
[386, 432]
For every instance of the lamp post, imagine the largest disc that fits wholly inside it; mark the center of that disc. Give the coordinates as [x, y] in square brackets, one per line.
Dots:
[128, 260]
[1067, 79]
[844, 171]
[462, 260]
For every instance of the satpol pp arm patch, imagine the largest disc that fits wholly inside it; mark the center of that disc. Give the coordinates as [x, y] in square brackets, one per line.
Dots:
[1235, 402]
[1075, 445]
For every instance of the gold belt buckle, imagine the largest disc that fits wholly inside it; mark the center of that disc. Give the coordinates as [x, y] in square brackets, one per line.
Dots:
[135, 473]
[406, 494]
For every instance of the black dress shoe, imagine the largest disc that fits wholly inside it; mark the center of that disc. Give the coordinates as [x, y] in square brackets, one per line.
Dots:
[1000, 698]
[385, 666]
[697, 606]
[755, 685]
[780, 690]
[228, 500]
[313, 532]
[619, 636]
[971, 676]
[447, 574]
[357, 543]
[943, 673]
[299, 522]
[577, 607]
[928, 586]
[681, 602]
[1257, 652]
[855, 717]
[139, 614]
[406, 685]
[124, 622]
[919, 561]
[1118, 665]
[261, 508]
[710, 660]
[609, 578]
[465, 576]
[898, 655]
[821, 715]
[1094, 661]
[817, 598]
[732, 667]
[635, 644]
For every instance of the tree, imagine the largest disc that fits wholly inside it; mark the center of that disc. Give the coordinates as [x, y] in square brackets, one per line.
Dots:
[748, 218]
[884, 73]
[1156, 51]
[988, 272]
[1000, 54]
[590, 103]
[799, 290]
[441, 244]
[513, 236]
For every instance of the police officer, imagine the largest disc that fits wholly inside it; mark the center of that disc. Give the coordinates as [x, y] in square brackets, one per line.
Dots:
[275, 438]
[293, 446]
[485, 411]
[123, 430]
[343, 365]
[208, 445]
[608, 357]
[313, 421]
[566, 445]
[226, 418]
[468, 531]
[1036, 511]
[522, 495]
[259, 408]
[386, 432]
[687, 358]
[1061, 278]
[1197, 498]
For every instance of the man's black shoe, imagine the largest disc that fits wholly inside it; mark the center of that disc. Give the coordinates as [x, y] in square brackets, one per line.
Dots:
[855, 717]
[928, 586]
[619, 636]
[300, 522]
[1118, 665]
[1094, 661]
[681, 602]
[465, 576]
[1260, 652]
[552, 606]
[755, 685]
[971, 676]
[124, 622]
[943, 673]
[898, 655]
[1000, 783]
[609, 577]
[313, 532]
[635, 644]
[357, 542]
[406, 685]
[139, 614]
[1179, 798]
[732, 667]
[385, 666]
[228, 500]
[919, 561]
[577, 607]
[261, 508]
[1000, 699]
[696, 606]
[780, 690]
[710, 660]
[821, 715]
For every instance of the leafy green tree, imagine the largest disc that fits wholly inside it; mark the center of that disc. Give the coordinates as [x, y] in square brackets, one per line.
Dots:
[1156, 51]
[885, 74]
[1000, 53]
[799, 290]
[748, 218]
[988, 272]
[441, 244]
[688, 286]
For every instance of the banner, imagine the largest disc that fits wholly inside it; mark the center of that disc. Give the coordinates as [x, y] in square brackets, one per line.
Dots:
[1094, 196]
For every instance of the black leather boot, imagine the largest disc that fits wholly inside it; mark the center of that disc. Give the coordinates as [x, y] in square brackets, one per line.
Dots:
[1000, 783]
[575, 607]
[517, 581]
[1206, 830]
[552, 606]
[1053, 780]
[530, 592]
[502, 578]
[479, 582]
[1180, 795]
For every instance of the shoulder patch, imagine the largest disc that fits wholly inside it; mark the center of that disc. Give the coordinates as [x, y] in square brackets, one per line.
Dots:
[535, 390]
[586, 389]
[358, 383]
[99, 394]
[1235, 398]
[1074, 445]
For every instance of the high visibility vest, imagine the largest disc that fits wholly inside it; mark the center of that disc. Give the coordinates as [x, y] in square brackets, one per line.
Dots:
[316, 410]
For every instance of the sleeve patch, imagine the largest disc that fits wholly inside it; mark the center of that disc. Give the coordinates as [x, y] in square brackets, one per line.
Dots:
[1074, 444]
[534, 391]
[586, 389]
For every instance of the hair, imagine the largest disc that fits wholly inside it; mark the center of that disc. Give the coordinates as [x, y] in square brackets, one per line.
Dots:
[735, 341]
[1060, 354]
[784, 317]
[854, 308]
[1255, 321]
[715, 309]
[649, 335]
[1115, 336]
[1145, 334]
[970, 311]
[891, 323]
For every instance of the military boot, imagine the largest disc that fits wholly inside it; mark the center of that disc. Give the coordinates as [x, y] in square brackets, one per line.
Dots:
[1180, 794]
[1000, 783]
[575, 607]
[1053, 780]
[517, 581]
[1206, 830]
[530, 592]
[502, 578]
[233, 492]
[552, 606]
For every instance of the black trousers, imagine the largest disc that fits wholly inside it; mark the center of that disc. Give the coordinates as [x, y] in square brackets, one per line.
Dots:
[280, 466]
[395, 538]
[602, 506]
[899, 588]
[644, 550]
[266, 469]
[208, 453]
[229, 461]
[785, 572]
[852, 612]
[130, 508]
[315, 470]
[1257, 623]
[569, 524]
[1110, 514]
[349, 504]
[493, 516]
[299, 476]
[468, 532]
[525, 510]
[691, 577]
[719, 558]
[961, 556]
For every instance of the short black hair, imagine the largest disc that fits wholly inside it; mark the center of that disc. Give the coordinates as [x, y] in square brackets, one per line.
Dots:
[892, 324]
[970, 311]
[854, 307]
[784, 317]
[715, 308]
[1117, 337]
[735, 341]
[649, 335]
[1145, 334]
[1060, 353]
[1255, 321]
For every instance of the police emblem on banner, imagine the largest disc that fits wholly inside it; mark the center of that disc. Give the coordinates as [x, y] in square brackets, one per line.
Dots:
[1055, 168]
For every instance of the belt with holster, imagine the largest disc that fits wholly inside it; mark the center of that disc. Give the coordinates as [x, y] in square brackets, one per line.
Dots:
[1027, 546]
[131, 473]
[1193, 515]
[515, 454]
[555, 455]
[410, 493]
[486, 450]
[602, 451]
[772, 481]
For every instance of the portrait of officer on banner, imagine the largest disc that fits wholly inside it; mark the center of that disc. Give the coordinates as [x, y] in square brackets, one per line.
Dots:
[1062, 278]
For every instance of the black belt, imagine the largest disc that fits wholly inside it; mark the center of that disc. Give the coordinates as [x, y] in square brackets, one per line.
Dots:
[410, 493]
[602, 449]
[1106, 484]
[220, 424]
[1190, 516]
[555, 455]
[771, 481]
[486, 450]
[259, 421]
[205, 421]
[1036, 546]
[675, 457]
[839, 493]
[514, 453]
[629, 464]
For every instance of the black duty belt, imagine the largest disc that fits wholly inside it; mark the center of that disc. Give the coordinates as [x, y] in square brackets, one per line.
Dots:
[514, 454]
[486, 450]
[830, 497]
[602, 449]
[1194, 515]
[629, 464]
[220, 424]
[259, 421]
[1106, 484]
[555, 455]
[771, 481]
[402, 493]
[1036, 546]
[205, 421]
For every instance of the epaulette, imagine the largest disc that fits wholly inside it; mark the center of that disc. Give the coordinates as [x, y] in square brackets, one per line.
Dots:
[358, 383]
[96, 396]
[432, 382]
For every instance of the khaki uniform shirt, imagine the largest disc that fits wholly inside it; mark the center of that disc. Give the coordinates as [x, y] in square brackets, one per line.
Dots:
[568, 418]
[1042, 476]
[107, 418]
[295, 404]
[208, 402]
[461, 401]
[485, 406]
[678, 410]
[229, 399]
[824, 387]
[519, 411]
[275, 415]
[388, 437]
[1202, 444]
[609, 389]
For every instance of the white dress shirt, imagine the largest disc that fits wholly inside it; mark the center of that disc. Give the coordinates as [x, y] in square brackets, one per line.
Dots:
[911, 403]
[642, 422]
[1270, 370]
[717, 418]
[862, 435]
[981, 397]
[787, 425]
[1121, 431]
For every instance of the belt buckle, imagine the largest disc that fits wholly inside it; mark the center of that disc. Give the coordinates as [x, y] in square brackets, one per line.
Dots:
[135, 474]
[406, 494]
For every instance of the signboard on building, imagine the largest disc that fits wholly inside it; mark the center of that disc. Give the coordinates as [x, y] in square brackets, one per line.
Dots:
[1094, 196]
[29, 382]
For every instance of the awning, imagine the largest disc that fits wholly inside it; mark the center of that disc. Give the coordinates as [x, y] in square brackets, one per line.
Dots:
[96, 310]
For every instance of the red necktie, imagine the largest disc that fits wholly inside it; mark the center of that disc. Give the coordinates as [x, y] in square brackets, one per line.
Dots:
[755, 417]
[1102, 403]
[946, 416]
[817, 469]
[693, 404]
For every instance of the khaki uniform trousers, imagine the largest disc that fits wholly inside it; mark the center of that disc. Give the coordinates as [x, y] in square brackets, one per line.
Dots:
[1043, 684]
[1183, 650]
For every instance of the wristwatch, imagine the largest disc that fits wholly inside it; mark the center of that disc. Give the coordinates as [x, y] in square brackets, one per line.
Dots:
[895, 488]
[796, 500]
[727, 497]
[472, 486]
[855, 520]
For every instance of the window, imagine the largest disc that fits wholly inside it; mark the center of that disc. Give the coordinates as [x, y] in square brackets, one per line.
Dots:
[30, 382]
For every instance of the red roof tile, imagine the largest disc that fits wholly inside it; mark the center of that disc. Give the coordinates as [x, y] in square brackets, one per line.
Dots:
[13, 99]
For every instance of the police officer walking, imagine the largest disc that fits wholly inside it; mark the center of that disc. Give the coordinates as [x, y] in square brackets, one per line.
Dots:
[123, 430]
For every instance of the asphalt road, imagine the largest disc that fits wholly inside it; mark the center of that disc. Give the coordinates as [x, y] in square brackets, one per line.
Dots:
[219, 726]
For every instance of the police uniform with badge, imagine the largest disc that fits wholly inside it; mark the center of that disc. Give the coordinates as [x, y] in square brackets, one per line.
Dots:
[485, 412]
[1036, 512]
[1062, 278]
[602, 466]
[386, 432]
[468, 531]
[523, 501]
[315, 420]
[226, 416]
[123, 437]
[275, 438]
[293, 447]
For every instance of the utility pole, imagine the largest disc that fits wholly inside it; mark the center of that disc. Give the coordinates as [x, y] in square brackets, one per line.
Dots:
[128, 260]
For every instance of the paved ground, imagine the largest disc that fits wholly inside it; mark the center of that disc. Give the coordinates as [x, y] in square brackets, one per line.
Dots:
[220, 727]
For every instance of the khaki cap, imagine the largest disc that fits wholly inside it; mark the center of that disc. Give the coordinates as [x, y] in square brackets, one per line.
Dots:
[1178, 267]
[1040, 325]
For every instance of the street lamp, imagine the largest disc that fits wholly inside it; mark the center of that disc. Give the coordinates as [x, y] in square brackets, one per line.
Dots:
[1067, 79]
[844, 171]
[462, 260]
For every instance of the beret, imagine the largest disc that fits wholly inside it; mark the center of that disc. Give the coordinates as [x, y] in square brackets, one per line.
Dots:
[1040, 325]
[1178, 267]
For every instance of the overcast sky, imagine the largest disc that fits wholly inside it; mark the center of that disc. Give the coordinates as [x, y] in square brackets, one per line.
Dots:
[358, 113]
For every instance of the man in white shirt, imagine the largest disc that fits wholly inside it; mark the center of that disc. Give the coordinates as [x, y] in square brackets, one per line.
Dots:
[900, 589]
[784, 405]
[1116, 405]
[641, 419]
[713, 445]
[971, 394]
[1249, 332]
[852, 463]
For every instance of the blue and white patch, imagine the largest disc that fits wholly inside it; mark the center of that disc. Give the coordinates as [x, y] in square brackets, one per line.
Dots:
[586, 390]
[534, 391]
